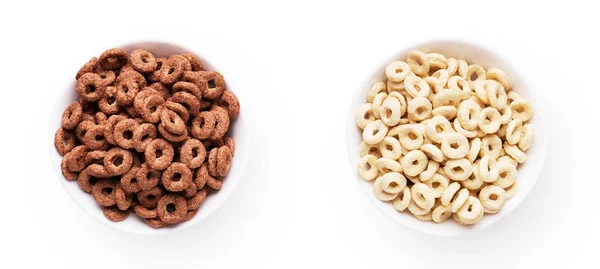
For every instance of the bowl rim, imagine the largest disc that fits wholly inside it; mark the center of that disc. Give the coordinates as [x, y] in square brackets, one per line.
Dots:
[240, 157]
[362, 88]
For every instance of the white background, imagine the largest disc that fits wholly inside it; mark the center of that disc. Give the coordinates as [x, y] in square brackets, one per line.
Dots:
[298, 204]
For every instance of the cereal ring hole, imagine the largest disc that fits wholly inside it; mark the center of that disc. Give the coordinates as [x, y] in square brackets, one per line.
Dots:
[388, 147]
[454, 145]
[470, 208]
[102, 76]
[99, 137]
[494, 197]
[176, 177]
[388, 112]
[151, 197]
[128, 134]
[90, 88]
[106, 191]
[435, 185]
[117, 160]
[411, 135]
[503, 174]
[474, 77]
[171, 207]
[520, 109]
[212, 84]
[415, 162]
[111, 100]
[460, 169]
[171, 70]
[158, 65]
[158, 154]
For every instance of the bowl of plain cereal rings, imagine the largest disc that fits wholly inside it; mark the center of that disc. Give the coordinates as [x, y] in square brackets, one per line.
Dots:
[444, 137]
[148, 137]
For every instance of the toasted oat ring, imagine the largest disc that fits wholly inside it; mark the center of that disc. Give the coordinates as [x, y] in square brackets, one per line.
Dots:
[489, 120]
[410, 137]
[422, 196]
[69, 175]
[104, 192]
[521, 109]
[130, 182]
[474, 149]
[126, 92]
[418, 62]
[159, 154]
[459, 199]
[89, 87]
[455, 145]
[487, 169]
[176, 177]
[433, 152]
[230, 102]
[437, 127]
[496, 96]
[387, 165]
[171, 208]
[118, 161]
[222, 124]
[414, 162]
[142, 135]
[188, 100]
[203, 125]
[380, 193]
[514, 131]
[145, 213]
[71, 116]
[500, 76]
[172, 122]
[195, 201]
[437, 184]
[397, 71]
[229, 142]
[90, 67]
[389, 148]
[468, 114]
[171, 71]
[374, 132]
[364, 115]
[416, 87]
[507, 174]
[475, 73]
[491, 145]
[390, 111]
[151, 108]
[124, 200]
[76, 160]
[123, 133]
[458, 169]
[64, 141]
[377, 88]
[188, 87]
[514, 152]
[94, 137]
[154, 75]
[449, 112]
[402, 201]
[526, 137]
[215, 84]
[492, 198]
[171, 137]
[429, 172]
[417, 210]
[142, 60]
[449, 193]
[109, 127]
[441, 213]
[149, 198]
[147, 178]
[113, 59]
[470, 211]
[192, 153]
[115, 214]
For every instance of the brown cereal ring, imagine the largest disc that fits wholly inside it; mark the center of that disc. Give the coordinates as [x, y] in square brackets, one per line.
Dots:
[196, 200]
[149, 198]
[221, 126]
[142, 60]
[194, 61]
[90, 67]
[230, 102]
[107, 78]
[86, 181]
[201, 176]
[127, 68]
[108, 104]
[192, 153]
[145, 213]
[204, 104]
[82, 128]
[161, 89]
[196, 78]
[85, 116]
[183, 113]
[123, 133]
[118, 161]
[215, 82]
[97, 170]
[228, 141]
[223, 161]
[147, 178]
[113, 59]
[134, 75]
[188, 87]
[188, 100]
[132, 113]
[64, 141]
[96, 156]
[70, 176]
[171, 208]
[89, 87]
[115, 214]
[159, 154]
[142, 135]
[155, 223]
[171, 71]
[212, 162]
[203, 125]
[177, 177]
[124, 200]
[190, 191]
[190, 215]
[172, 122]
[171, 136]
[130, 181]
[104, 192]
[210, 144]
[71, 116]
[94, 137]
[76, 160]
[109, 127]
[187, 66]
[100, 117]
[151, 108]
[153, 77]
[139, 99]
[126, 92]
[214, 183]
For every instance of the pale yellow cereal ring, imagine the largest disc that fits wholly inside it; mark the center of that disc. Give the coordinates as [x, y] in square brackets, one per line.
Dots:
[380, 194]
[459, 199]
[392, 183]
[499, 75]
[447, 97]
[432, 168]
[437, 127]
[419, 109]
[441, 76]
[364, 115]
[526, 137]
[507, 159]
[422, 196]
[448, 112]
[511, 191]
[412, 179]
[455, 145]
[481, 88]
[475, 73]
[441, 213]
[513, 96]
[424, 218]
[403, 121]
[491, 145]
[521, 109]
[410, 137]
[487, 169]
[435, 86]
[458, 169]
[417, 210]
[459, 83]
[492, 198]
[377, 88]
[367, 170]
[473, 182]
[387, 165]
[395, 86]
[481, 133]
[390, 148]
[377, 102]
[463, 67]
[459, 129]
[403, 200]
[441, 171]
[470, 210]
[397, 71]
[414, 162]
[475, 147]
[416, 87]
[419, 62]
[437, 184]
[461, 221]
[374, 132]
[496, 95]
[390, 111]
[402, 101]
[366, 149]
[505, 115]
[489, 120]
[507, 174]
[475, 99]
[449, 193]
[502, 131]
[452, 66]
[514, 152]
[514, 130]
[468, 114]
[432, 152]
[437, 61]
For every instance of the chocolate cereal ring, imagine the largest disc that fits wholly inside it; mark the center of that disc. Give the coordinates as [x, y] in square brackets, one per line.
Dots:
[224, 159]
[142, 135]
[176, 177]
[222, 124]
[151, 108]
[126, 92]
[213, 162]
[89, 87]
[86, 181]
[187, 66]
[197, 79]
[83, 127]
[71, 116]
[210, 144]
[153, 77]
[155, 223]
[194, 61]
[171, 208]
[142, 60]
[183, 113]
[188, 100]
[196, 200]
[162, 89]
[145, 213]
[90, 67]
[94, 137]
[149, 198]
[108, 104]
[104, 192]
[188, 87]
[123, 133]
[203, 125]
[107, 78]
[96, 156]
[85, 116]
[132, 75]
[231, 144]
[76, 160]
[172, 122]
[190, 215]
[97, 170]
[171, 136]
[147, 178]
[100, 117]
[69, 175]
[64, 141]
[113, 59]
[124, 200]
[171, 71]
[192, 153]
[190, 191]
[230, 102]
[115, 214]
[214, 183]
[109, 127]
[118, 161]
[159, 154]
[130, 182]
[215, 82]
[201, 176]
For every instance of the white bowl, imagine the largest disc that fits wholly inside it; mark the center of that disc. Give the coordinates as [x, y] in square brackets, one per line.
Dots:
[133, 223]
[527, 173]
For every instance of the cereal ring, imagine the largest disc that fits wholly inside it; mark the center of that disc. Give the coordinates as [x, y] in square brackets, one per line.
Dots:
[230, 102]
[491, 145]
[142, 135]
[499, 75]
[449, 193]
[188, 100]
[155, 223]
[455, 145]
[481, 89]
[171, 136]
[437, 127]
[231, 144]
[437, 61]
[145, 213]
[433, 152]
[458, 169]
[473, 182]
[432, 168]
[171, 71]
[437, 184]
[118, 161]
[109, 127]
[489, 120]
[215, 82]
[514, 131]
[440, 77]
[380, 193]
[172, 122]
[123, 133]
[419, 109]
[113, 59]
[151, 108]
[459, 129]
[403, 199]
[191, 190]
[76, 160]
[203, 125]
[366, 149]
[222, 124]
[514, 152]
[224, 158]
[124, 200]
[367, 168]
[154, 75]
[441, 213]
[89, 87]
[395, 86]
[521, 109]
[389, 148]
[414, 162]
[507, 174]
[492, 198]
[459, 200]
[86, 181]
[390, 111]
[132, 75]
[126, 92]
[508, 159]
[474, 149]
[422, 196]
[196, 200]
[475, 73]
[171, 208]
[70, 176]
[115, 214]
[142, 60]
[64, 141]
[496, 96]
[129, 181]
[410, 137]
[418, 62]
[71, 116]
[459, 83]
[487, 169]
[397, 71]
[90, 67]
[447, 97]
[181, 111]
[100, 117]
[511, 191]
[149, 198]
[470, 212]
[505, 115]
[108, 104]
[416, 87]
[176, 177]
[94, 137]
[377, 88]
[192, 153]
[107, 78]
[159, 154]
[374, 132]
[194, 61]
[104, 192]
[386, 165]
[513, 96]
[213, 162]
[392, 183]
[448, 112]
[417, 210]
[468, 114]
[377, 102]
[526, 137]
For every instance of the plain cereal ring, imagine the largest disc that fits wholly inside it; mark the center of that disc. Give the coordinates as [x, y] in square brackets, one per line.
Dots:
[462, 67]
[437, 127]
[422, 196]
[377, 88]
[364, 115]
[123, 133]
[455, 145]
[367, 168]
[437, 184]
[439, 78]
[492, 198]
[459, 129]
[64, 141]
[159, 154]
[387, 165]
[380, 193]
[113, 59]
[126, 91]
[377, 102]
[418, 62]
[410, 136]
[389, 147]
[481, 89]
[397, 71]
[468, 114]
[419, 109]
[171, 70]
[428, 173]
[390, 111]
[526, 137]
[104, 192]
[118, 161]
[514, 131]
[508, 159]
[496, 96]
[176, 177]
[491, 145]
[231, 103]
[71, 116]
[374, 132]
[414, 162]
[89, 87]
[69, 175]
[488, 172]
[416, 86]
[471, 211]
[94, 137]
[90, 67]
[366, 149]
[474, 181]
[171, 208]
[449, 193]
[500, 76]
[142, 60]
[507, 174]
[171, 137]
[437, 61]
[459, 83]
[424, 218]
[115, 214]
[416, 210]
[514, 152]
[521, 109]
[441, 213]
[459, 199]
[129, 181]
[448, 112]
[458, 169]
[392, 183]
[452, 66]
[474, 149]
[402, 201]
[433, 152]
[145, 213]
[489, 120]
[172, 122]
[505, 115]
[124, 200]
[149, 198]
[513, 96]
[475, 73]
[395, 86]
[447, 97]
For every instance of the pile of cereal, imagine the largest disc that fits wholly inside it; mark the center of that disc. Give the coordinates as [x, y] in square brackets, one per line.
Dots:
[456, 131]
[148, 134]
